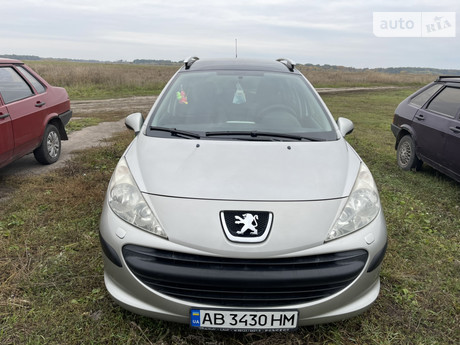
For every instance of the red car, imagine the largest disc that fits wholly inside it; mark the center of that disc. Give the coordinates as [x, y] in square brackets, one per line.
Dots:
[33, 114]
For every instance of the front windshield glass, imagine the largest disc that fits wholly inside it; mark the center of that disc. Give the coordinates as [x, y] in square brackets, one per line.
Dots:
[213, 103]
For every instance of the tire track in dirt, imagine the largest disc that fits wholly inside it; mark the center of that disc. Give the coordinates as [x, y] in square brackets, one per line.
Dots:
[128, 105]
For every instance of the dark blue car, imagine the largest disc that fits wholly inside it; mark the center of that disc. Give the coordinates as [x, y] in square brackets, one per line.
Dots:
[427, 127]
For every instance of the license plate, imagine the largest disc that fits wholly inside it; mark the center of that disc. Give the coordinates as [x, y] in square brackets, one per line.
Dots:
[244, 320]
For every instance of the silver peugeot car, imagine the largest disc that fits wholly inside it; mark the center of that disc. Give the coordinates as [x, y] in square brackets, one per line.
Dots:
[239, 205]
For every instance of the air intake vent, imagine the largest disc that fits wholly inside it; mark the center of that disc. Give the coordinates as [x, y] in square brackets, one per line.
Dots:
[221, 281]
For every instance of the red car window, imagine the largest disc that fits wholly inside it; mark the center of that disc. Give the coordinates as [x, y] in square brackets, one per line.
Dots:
[12, 86]
[35, 83]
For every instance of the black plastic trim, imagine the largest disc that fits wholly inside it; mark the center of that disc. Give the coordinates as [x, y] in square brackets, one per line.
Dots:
[288, 63]
[190, 61]
[109, 252]
[244, 282]
[378, 258]
[442, 77]
[395, 129]
[65, 117]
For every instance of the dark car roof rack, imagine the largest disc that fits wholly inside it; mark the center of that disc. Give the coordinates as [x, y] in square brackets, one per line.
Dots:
[189, 61]
[441, 77]
[288, 63]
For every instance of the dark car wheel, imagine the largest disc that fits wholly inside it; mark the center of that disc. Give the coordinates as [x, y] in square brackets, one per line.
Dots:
[50, 149]
[407, 159]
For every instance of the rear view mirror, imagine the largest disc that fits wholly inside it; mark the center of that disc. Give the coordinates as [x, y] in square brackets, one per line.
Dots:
[134, 122]
[345, 126]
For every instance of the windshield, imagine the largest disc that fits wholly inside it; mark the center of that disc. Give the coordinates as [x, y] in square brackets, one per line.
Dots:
[227, 104]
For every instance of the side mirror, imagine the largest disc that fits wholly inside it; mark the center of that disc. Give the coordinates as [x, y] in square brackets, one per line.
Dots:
[345, 126]
[134, 122]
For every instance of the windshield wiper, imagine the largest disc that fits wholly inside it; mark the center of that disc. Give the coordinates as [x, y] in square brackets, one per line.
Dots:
[255, 134]
[176, 132]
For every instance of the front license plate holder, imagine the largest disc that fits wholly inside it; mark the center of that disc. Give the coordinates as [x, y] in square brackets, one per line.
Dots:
[244, 320]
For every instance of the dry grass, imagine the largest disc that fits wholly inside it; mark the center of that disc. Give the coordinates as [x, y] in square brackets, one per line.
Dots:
[321, 77]
[99, 80]
[112, 75]
[111, 80]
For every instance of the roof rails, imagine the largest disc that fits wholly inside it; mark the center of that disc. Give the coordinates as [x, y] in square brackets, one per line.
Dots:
[441, 77]
[288, 63]
[189, 61]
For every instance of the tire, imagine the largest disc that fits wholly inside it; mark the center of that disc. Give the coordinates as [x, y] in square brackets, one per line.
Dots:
[406, 156]
[50, 149]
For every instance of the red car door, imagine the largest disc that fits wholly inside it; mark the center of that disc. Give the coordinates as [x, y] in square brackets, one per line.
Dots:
[28, 116]
[27, 111]
[6, 136]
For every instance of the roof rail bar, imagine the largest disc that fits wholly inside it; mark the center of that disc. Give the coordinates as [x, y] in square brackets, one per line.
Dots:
[189, 61]
[288, 63]
[446, 77]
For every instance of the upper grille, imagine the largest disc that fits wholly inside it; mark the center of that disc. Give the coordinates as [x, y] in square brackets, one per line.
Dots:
[244, 282]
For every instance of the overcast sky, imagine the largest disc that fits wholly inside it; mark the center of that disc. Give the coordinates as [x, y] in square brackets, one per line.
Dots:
[318, 32]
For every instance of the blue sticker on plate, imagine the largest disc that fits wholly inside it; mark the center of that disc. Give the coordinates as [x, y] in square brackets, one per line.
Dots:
[195, 318]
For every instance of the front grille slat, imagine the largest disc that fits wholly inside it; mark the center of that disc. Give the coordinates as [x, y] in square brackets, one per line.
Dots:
[244, 282]
[200, 290]
[197, 259]
[238, 296]
[233, 298]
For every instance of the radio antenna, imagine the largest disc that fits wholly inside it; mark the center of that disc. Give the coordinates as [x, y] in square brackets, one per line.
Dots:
[236, 48]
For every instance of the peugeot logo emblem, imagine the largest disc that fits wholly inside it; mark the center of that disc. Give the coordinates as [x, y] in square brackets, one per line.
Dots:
[249, 222]
[246, 226]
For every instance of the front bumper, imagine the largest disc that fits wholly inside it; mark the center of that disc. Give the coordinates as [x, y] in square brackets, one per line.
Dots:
[129, 279]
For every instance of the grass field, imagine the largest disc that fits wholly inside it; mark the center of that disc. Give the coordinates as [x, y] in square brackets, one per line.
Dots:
[99, 80]
[51, 270]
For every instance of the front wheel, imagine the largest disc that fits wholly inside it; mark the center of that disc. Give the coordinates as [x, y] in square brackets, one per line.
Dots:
[50, 149]
[407, 158]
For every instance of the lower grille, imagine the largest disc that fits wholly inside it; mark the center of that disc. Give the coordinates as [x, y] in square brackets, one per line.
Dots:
[244, 282]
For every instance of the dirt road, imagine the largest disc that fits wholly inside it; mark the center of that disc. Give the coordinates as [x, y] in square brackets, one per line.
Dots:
[87, 137]
[128, 105]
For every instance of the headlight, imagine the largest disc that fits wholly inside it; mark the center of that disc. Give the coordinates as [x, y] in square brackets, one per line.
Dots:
[127, 202]
[361, 208]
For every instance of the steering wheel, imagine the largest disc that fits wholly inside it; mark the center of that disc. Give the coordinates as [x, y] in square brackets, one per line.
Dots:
[275, 108]
[279, 116]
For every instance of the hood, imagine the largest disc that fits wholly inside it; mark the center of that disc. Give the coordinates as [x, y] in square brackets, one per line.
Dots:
[243, 170]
